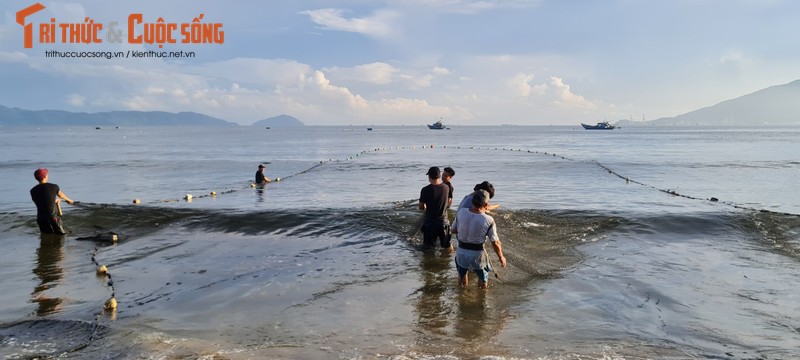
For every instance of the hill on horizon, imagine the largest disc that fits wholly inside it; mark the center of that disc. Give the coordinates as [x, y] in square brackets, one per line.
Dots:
[282, 120]
[775, 106]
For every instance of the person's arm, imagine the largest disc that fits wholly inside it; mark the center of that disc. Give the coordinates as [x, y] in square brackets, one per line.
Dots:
[65, 197]
[498, 249]
[421, 205]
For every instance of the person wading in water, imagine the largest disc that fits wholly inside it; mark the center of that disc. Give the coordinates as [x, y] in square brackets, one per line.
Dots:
[47, 197]
[473, 227]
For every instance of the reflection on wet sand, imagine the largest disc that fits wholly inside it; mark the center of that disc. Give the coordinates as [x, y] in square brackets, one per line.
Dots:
[454, 320]
[432, 309]
[472, 313]
[49, 271]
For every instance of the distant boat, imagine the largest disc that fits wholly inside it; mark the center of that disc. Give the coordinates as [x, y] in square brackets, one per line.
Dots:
[600, 126]
[369, 129]
[437, 126]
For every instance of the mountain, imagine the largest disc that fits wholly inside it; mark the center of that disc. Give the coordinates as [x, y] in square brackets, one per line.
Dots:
[279, 121]
[773, 106]
[15, 116]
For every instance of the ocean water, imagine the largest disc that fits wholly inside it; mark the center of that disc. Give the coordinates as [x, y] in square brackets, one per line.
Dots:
[615, 247]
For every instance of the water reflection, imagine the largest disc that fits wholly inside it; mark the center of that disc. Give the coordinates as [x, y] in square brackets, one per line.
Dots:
[432, 309]
[471, 315]
[260, 192]
[48, 270]
[454, 320]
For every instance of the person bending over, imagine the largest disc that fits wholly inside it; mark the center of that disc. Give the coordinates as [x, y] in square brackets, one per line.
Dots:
[473, 228]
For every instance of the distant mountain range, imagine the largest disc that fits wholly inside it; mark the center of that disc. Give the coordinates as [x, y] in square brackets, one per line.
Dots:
[21, 117]
[774, 106]
[15, 116]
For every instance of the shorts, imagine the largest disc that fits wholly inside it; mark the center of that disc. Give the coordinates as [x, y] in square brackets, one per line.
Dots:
[483, 274]
[476, 260]
[430, 232]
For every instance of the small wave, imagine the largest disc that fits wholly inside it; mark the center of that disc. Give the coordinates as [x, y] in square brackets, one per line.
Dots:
[35, 339]
[778, 231]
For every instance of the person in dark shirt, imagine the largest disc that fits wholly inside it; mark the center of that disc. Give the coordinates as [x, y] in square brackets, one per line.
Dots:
[447, 175]
[260, 178]
[47, 197]
[433, 198]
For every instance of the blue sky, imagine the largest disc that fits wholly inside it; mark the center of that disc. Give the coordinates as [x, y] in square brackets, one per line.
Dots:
[412, 61]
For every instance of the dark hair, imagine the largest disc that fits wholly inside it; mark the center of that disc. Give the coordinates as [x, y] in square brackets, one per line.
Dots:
[449, 171]
[434, 172]
[479, 199]
[485, 186]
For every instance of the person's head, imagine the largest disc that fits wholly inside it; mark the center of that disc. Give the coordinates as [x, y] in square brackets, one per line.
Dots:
[434, 173]
[40, 174]
[480, 199]
[448, 174]
[486, 186]
[261, 167]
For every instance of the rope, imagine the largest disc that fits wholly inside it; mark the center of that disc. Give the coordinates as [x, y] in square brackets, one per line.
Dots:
[189, 197]
[629, 180]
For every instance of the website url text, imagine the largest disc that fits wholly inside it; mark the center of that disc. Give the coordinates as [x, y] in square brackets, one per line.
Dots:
[119, 54]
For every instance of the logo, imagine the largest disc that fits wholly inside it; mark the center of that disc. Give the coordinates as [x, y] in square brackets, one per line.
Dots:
[139, 31]
[21, 15]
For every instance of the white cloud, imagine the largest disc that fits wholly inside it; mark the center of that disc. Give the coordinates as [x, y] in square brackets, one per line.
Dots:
[338, 94]
[13, 57]
[565, 96]
[440, 71]
[154, 90]
[63, 11]
[375, 73]
[521, 84]
[76, 100]
[378, 24]
[733, 64]
[540, 89]
[249, 89]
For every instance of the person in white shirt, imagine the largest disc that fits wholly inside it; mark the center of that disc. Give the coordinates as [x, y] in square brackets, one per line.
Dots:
[474, 227]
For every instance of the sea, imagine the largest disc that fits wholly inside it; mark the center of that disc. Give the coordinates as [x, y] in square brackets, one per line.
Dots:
[634, 243]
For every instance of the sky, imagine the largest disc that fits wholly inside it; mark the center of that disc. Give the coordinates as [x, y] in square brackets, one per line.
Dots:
[410, 62]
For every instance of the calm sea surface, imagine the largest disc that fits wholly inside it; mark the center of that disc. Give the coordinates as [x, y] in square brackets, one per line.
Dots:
[615, 248]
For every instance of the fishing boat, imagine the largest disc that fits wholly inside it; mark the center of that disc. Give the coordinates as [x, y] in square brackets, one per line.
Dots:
[604, 125]
[437, 125]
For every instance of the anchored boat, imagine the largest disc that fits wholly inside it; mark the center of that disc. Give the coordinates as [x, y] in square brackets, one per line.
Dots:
[600, 126]
[437, 125]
